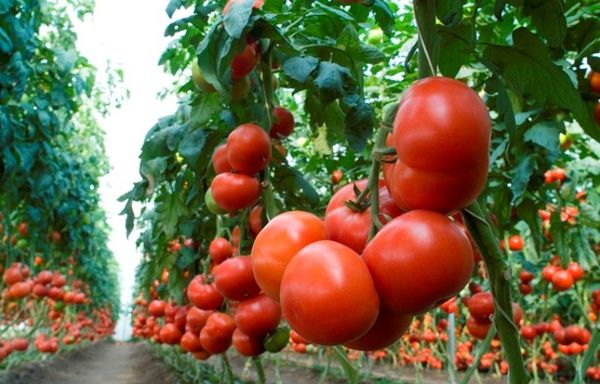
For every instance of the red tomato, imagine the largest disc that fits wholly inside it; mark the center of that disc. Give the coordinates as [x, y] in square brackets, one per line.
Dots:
[562, 280]
[216, 335]
[575, 270]
[219, 160]
[481, 306]
[234, 191]
[258, 316]
[442, 136]
[246, 345]
[388, 328]
[244, 62]
[248, 149]
[327, 294]
[525, 276]
[219, 250]
[255, 220]
[278, 242]
[433, 264]
[204, 296]
[190, 342]
[549, 271]
[170, 334]
[283, 123]
[234, 278]
[478, 330]
[352, 228]
[515, 243]
[196, 318]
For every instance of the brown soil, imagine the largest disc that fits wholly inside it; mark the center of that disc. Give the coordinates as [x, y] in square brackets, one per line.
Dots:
[101, 363]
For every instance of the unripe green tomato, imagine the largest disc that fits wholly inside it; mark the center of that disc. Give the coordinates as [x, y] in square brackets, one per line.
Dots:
[277, 340]
[199, 80]
[211, 204]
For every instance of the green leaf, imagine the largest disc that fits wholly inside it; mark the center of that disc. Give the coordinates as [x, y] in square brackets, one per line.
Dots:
[520, 178]
[300, 68]
[360, 120]
[529, 72]
[455, 48]
[237, 17]
[191, 147]
[548, 17]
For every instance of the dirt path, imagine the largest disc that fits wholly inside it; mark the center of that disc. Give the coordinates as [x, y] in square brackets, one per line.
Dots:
[114, 363]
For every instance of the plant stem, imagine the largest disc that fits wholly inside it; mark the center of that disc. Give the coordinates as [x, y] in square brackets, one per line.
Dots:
[425, 20]
[483, 348]
[499, 277]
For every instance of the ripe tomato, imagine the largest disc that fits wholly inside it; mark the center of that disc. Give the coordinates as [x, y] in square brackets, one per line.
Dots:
[215, 336]
[327, 294]
[352, 228]
[515, 243]
[525, 276]
[481, 306]
[219, 160]
[170, 334]
[477, 329]
[388, 328]
[244, 62]
[258, 316]
[248, 149]
[156, 307]
[246, 345]
[575, 270]
[234, 191]
[562, 280]
[278, 242]
[433, 264]
[234, 278]
[204, 296]
[190, 342]
[196, 318]
[219, 250]
[255, 220]
[283, 123]
[442, 136]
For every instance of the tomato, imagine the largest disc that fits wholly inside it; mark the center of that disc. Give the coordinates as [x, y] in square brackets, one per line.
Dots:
[199, 80]
[244, 62]
[515, 243]
[388, 328]
[327, 294]
[595, 82]
[190, 342]
[216, 335]
[477, 329]
[442, 134]
[278, 242]
[219, 250]
[204, 296]
[234, 278]
[283, 123]
[170, 334]
[528, 332]
[219, 160]
[255, 220]
[248, 149]
[562, 280]
[549, 271]
[575, 270]
[352, 228]
[525, 276]
[196, 318]
[246, 345]
[233, 191]
[481, 306]
[433, 264]
[336, 176]
[258, 316]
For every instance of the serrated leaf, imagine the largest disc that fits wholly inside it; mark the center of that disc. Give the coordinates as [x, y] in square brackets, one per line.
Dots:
[300, 68]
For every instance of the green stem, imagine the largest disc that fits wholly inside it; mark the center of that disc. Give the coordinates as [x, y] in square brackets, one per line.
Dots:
[425, 19]
[483, 348]
[260, 371]
[499, 277]
[588, 357]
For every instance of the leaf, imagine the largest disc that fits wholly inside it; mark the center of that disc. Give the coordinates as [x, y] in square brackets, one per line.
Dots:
[6, 45]
[191, 147]
[528, 71]
[455, 48]
[384, 16]
[331, 81]
[173, 6]
[300, 68]
[360, 120]
[237, 17]
[169, 207]
[520, 178]
[548, 17]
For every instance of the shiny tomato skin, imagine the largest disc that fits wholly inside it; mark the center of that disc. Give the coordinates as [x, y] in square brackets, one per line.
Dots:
[258, 316]
[219, 250]
[327, 294]
[562, 280]
[481, 306]
[215, 336]
[283, 123]
[278, 242]
[235, 191]
[234, 278]
[388, 328]
[202, 295]
[441, 133]
[219, 160]
[248, 149]
[433, 263]
[244, 62]
[246, 345]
